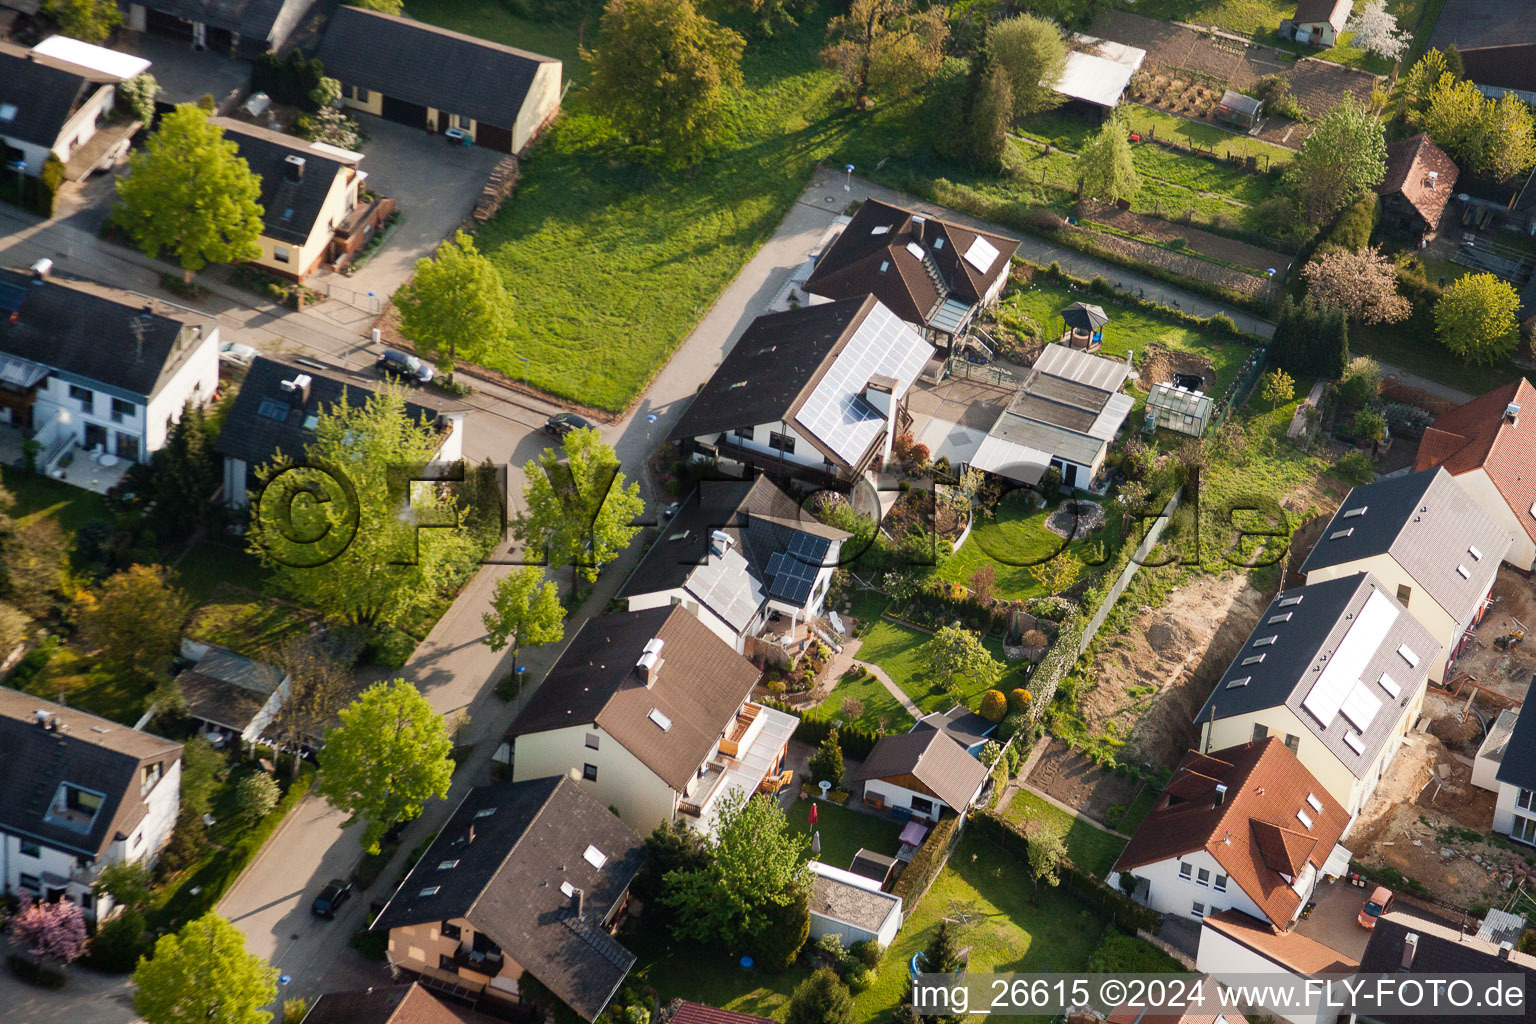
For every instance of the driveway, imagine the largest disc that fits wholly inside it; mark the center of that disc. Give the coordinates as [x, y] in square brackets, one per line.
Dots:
[89, 996]
[184, 74]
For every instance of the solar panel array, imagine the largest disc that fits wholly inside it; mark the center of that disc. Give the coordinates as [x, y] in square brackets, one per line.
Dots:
[1340, 683]
[981, 254]
[725, 585]
[794, 569]
[835, 413]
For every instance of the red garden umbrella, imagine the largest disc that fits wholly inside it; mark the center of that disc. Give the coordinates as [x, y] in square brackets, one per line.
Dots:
[813, 814]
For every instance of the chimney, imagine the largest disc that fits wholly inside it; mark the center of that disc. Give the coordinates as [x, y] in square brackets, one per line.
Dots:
[1221, 793]
[576, 900]
[1434, 179]
[1410, 948]
[880, 394]
[293, 168]
[649, 665]
[469, 835]
[1512, 413]
[1505, 949]
[300, 386]
[920, 229]
[719, 542]
[44, 717]
[41, 269]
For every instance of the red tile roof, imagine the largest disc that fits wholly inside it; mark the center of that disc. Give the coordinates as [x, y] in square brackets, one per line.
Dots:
[1254, 831]
[1409, 162]
[1209, 1012]
[1477, 435]
[698, 1013]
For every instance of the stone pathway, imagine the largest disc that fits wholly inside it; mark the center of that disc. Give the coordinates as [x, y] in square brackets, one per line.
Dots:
[845, 659]
[893, 689]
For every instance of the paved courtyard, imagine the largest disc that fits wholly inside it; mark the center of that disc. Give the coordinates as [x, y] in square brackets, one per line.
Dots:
[89, 997]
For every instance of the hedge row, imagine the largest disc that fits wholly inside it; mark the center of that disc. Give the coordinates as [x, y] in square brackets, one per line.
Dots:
[1126, 913]
[1057, 663]
[926, 863]
[1219, 322]
[856, 741]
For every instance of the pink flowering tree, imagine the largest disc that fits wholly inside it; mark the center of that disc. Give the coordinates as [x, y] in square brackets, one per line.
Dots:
[49, 931]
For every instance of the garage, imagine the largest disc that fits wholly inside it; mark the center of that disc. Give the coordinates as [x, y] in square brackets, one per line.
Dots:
[168, 25]
[413, 114]
[491, 137]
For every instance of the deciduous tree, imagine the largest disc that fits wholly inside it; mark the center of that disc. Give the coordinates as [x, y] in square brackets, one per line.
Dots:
[1475, 318]
[1486, 137]
[455, 300]
[1376, 31]
[820, 999]
[955, 656]
[1105, 169]
[90, 21]
[1046, 853]
[1345, 155]
[578, 511]
[1033, 52]
[525, 612]
[49, 931]
[388, 757]
[888, 48]
[1278, 387]
[128, 883]
[345, 531]
[385, 6]
[32, 560]
[135, 625]
[255, 796]
[136, 96]
[203, 975]
[190, 195]
[1057, 573]
[768, 17]
[319, 685]
[663, 73]
[1363, 284]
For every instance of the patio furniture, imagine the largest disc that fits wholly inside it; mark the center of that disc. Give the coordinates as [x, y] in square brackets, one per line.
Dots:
[913, 834]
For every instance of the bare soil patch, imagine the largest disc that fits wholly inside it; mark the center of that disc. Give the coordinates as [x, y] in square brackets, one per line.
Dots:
[1081, 783]
[1227, 250]
[1507, 672]
[1158, 364]
[1153, 678]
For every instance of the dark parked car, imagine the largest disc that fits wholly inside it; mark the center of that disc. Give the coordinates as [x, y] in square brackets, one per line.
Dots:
[331, 898]
[562, 423]
[395, 363]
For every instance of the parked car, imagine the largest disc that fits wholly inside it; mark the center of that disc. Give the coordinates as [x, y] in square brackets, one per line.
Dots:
[1379, 903]
[331, 898]
[562, 423]
[394, 363]
[235, 352]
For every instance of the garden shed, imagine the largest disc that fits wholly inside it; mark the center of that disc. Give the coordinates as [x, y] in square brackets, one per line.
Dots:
[1238, 110]
[1171, 407]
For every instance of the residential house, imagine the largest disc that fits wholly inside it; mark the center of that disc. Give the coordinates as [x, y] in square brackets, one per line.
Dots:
[1502, 69]
[1246, 828]
[1236, 947]
[79, 793]
[1207, 1008]
[56, 99]
[932, 273]
[1338, 671]
[1064, 416]
[922, 773]
[527, 878]
[388, 1004]
[239, 28]
[816, 394]
[230, 696]
[1406, 942]
[312, 213]
[649, 710]
[960, 724]
[90, 366]
[740, 555]
[1487, 447]
[1506, 765]
[1096, 74]
[1423, 535]
[428, 77]
[851, 907]
[1320, 22]
[679, 1011]
[279, 406]
[1420, 180]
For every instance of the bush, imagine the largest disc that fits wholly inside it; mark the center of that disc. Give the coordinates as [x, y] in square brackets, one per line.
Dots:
[926, 862]
[780, 940]
[867, 952]
[1018, 699]
[820, 999]
[1355, 468]
[1353, 228]
[391, 649]
[118, 944]
[827, 763]
[255, 796]
[1017, 722]
[994, 705]
[294, 1010]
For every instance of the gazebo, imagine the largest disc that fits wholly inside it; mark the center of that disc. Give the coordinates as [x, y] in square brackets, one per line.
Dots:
[1085, 324]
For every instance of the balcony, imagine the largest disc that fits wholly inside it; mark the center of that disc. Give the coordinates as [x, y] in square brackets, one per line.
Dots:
[749, 755]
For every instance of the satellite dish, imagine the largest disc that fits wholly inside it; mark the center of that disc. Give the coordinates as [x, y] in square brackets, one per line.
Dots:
[1463, 196]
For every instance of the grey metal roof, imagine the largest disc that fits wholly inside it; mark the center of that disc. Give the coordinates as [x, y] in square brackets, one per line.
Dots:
[1095, 371]
[960, 723]
[1332, 653]
[1430, 526]
[1518, 766]
[1061, 442]
[726, 585]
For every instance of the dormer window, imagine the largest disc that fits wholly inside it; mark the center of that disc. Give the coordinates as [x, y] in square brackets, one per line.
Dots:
[151, 775]
[74, 808]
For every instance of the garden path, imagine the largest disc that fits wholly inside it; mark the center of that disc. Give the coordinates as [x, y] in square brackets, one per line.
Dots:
[894, 690]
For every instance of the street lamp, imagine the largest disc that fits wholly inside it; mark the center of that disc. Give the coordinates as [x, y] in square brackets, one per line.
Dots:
[848, 181]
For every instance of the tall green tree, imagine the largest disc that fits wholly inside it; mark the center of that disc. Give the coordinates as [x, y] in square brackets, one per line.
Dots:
[1033, 52]
[1487, 137]
[1345, 155]
[955, 655]
[827, 763]
[578, 511]
[757, 864]
[204, 975]
[525, 612]
[135, 624]
[1475, 318]
[990, 113]
[886, 48]
[184, 475]
[346, 532]
[1278, 387]
[663, 73]
[820, 999]
[1105, 170]
[319, 685]
[767, 17]
[1047, 852]
[190, 195]
[90, 21]
[390, 755]
[455, 300]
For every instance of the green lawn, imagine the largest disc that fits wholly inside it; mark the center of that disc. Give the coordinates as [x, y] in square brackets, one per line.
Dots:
[1207, 136]
[987, 891]
[1015, 540]
[844, 832]
[1247, 17]
[38, 496]
[1090, 847]
[894, 648]
[209, 563]
[66, 674]
[879, 706]
[247, 622]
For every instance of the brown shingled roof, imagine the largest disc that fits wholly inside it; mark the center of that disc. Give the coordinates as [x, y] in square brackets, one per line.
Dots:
[933, 758]
[392, 1004]
[1476, 435]
[1291, 950]
[1334, 12]
[1253, 831]
[1409, 162]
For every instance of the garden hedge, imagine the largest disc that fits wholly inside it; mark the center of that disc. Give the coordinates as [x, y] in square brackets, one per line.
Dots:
[856, 741]
[926, 863]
